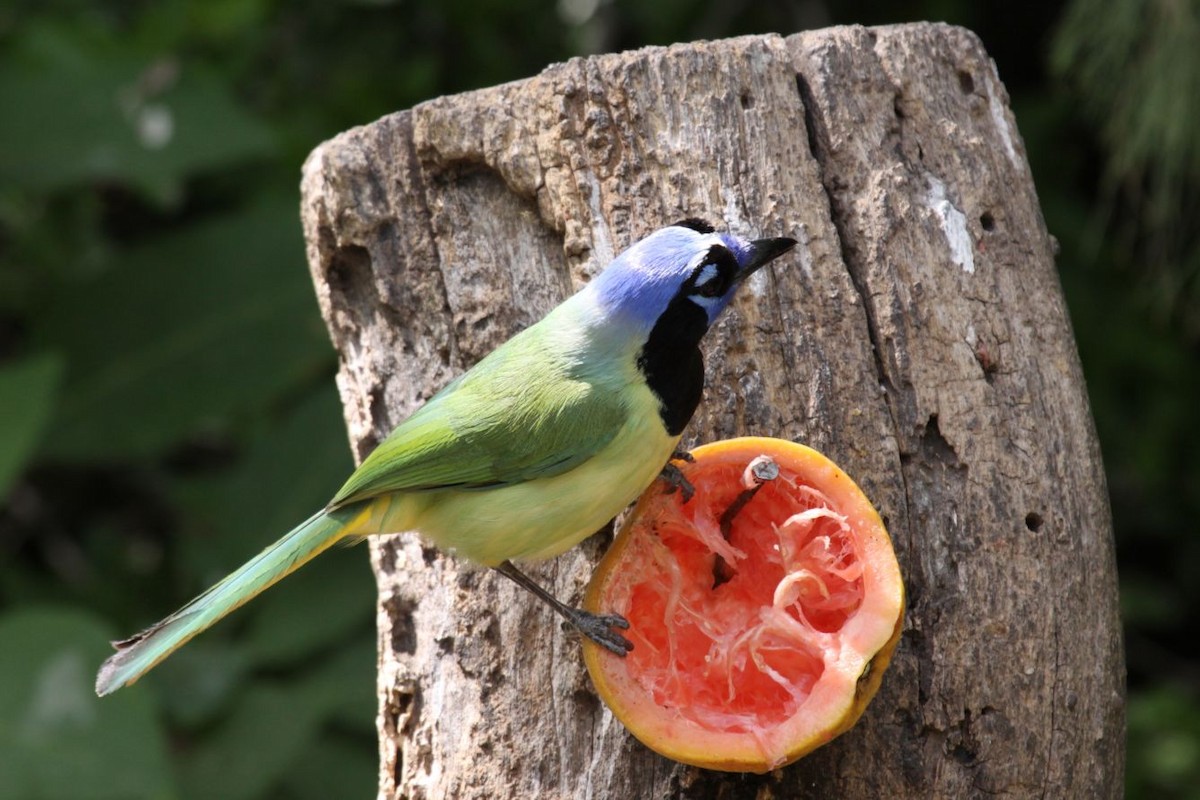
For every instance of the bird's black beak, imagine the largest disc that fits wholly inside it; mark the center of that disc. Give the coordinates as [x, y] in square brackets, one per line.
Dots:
[763, 252]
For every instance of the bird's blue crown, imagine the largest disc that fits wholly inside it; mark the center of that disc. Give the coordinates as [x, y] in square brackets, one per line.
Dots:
[686, 260]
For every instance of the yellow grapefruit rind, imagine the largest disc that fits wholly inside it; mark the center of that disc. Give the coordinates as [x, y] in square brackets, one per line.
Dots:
[843, 691]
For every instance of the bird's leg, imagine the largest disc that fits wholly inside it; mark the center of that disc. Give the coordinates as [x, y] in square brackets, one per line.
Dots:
[597, 627]
[674, 478]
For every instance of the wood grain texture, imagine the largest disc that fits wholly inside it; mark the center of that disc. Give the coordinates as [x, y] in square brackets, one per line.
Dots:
[917, 336]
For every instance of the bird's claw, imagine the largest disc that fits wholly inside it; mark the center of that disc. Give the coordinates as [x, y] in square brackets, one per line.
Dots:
[675, 479]
[599, 628]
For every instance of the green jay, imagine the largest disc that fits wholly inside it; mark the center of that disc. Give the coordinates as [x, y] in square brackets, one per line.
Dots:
[534, 448]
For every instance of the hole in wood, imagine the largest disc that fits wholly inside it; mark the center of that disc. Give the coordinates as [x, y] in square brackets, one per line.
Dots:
[966, 82]
[1033, 521]
[987, 221]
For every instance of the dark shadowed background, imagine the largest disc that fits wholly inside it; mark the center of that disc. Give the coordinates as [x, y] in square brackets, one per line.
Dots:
[167, 404]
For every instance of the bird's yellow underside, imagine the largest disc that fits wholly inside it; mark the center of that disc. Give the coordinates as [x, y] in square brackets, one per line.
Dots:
[540, 518]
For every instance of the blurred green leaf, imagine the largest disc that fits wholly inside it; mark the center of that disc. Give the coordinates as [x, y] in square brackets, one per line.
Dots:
[221, 19]
[338, 767]
[1134, 71]
[316, 607]
[273, 725]
[268, 729]
[150, 122]
[1164, 743]
[215, 319]
[291, 466]
[28, 389]
[57, 739]
[200, 681]
[1148, 602]
[1134, 67]
[344, 683]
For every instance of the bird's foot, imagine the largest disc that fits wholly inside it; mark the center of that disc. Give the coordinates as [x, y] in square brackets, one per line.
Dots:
[675, 479]
[599, 628]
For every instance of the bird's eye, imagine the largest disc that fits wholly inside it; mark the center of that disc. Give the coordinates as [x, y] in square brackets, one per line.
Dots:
[710, 288]
[708, 282]
[712, 277]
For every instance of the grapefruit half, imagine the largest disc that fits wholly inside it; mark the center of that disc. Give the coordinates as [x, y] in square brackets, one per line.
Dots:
[763, 611]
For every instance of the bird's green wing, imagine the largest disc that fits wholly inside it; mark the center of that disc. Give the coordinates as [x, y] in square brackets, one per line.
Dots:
[505, 424]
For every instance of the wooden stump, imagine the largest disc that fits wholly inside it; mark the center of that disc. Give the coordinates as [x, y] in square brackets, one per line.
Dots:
[917, 336]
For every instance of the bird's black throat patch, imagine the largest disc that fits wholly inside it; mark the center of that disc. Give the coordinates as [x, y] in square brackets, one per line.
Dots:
[672, 364]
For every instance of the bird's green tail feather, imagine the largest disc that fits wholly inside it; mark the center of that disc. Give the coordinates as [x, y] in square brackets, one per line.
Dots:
[138, 654]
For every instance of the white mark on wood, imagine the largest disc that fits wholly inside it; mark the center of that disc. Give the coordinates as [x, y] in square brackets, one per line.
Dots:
[972, 337]
[734, 222]
[428, 779]
[803, 253]
[998, 117]
[312, 171]
[600, 759]
[602, 244]
[758, 284]
[954, 225]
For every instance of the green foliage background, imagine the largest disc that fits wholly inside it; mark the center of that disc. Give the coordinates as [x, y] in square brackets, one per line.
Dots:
[166, 396]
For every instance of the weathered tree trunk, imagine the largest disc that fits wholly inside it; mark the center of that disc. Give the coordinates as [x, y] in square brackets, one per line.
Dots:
[918, 337]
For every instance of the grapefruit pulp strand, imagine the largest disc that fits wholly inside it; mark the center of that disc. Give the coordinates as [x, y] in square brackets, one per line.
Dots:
[757, 637]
